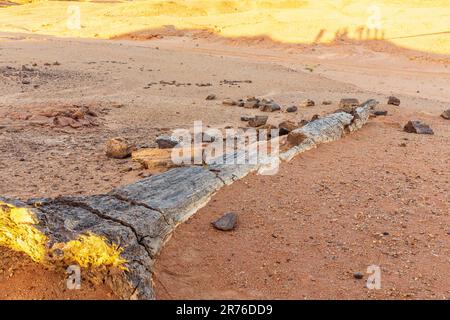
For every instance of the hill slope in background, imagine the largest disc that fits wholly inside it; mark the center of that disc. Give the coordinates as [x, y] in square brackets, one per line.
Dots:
[418, 25]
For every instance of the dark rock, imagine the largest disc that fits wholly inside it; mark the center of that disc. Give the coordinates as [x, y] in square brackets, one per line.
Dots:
[258, 121]
[270, 107]
[246, 118]
[26, 81]
[418, 127]
[286, 127]
[358, 275]
[394, 101]
[226, 223]
[292, 109]
[241, 103]
[446, 114]
[167, 142]
[380, 113]
[327, 102]
[119, 148]
[211, 97]
[315, 117]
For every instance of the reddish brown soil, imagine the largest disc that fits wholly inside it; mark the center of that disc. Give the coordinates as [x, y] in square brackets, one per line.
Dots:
[22, 279]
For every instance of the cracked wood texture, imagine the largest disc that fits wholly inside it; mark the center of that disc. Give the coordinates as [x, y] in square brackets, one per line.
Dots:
[140, 217]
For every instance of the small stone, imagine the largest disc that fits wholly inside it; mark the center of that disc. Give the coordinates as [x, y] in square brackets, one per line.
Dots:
[241, 103]
[418, 127]
[25, 81]
[286, 127]
[358, 275]
[315, 117]
[380, 113]
[246, 118]
[167, 142]
[226, 223]
[270, 107]
[258, 121]
[119, 148]
[211, 97]
[292, 109]
[229, 102]
[308, 103]
[251, 104]
[327, 102]
[394, 101]
[446, 114]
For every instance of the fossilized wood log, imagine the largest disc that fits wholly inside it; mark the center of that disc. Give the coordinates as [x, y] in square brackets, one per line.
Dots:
[322, 130]
[141, 217]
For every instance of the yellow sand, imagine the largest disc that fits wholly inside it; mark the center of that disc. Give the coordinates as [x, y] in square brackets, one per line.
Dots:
[413, 24]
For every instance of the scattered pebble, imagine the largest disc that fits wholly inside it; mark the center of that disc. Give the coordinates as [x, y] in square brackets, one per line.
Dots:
[358, 275]
[226, 223]
[394, 101]
[418, 127]
[119, 148]
[167, 142]
[292, 109]
[446, 114]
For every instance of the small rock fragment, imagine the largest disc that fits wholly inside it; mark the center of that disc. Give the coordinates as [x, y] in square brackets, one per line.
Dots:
[226, 223]
[358, 275]
[418, 127]
[246, 118]
[119, 148]
[446, 114]
[167, 142]
[211, 97]
[394, 101]
[292, 109]
[327, 102]
[380, 113]
[258, 121]
[308, 103]
[251, 104]
[270, 107]
[315, 117]
[286, 127]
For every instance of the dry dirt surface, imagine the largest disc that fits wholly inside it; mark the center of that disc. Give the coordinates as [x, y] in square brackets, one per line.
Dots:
[301, 233]
[21, 279]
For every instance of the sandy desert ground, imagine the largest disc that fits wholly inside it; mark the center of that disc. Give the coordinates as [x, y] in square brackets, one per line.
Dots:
[378, 197]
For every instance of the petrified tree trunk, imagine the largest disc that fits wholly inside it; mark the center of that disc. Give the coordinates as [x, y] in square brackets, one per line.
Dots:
[119, 234]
